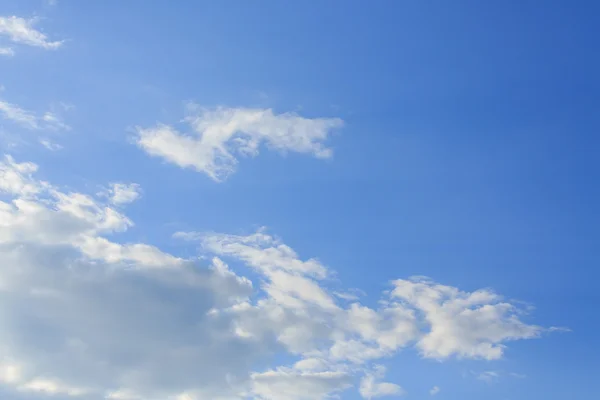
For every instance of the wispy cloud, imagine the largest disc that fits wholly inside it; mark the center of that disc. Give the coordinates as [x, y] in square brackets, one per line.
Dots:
[349, 295]
[7, 51]
[28, 119]
[50, 145]
[488, 376]
[18, 115]
[22, 31]
[495, 376]
[434, 390]
[53, 121]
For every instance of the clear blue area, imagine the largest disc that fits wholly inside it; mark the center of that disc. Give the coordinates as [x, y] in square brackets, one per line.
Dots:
[470, 152]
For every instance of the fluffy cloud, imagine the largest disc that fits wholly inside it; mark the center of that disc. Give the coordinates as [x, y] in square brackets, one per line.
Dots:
[84, 316]
[303, 316]
[80, 314]
[22, 31]
[220, 135]
[472, 325]
[434, 391]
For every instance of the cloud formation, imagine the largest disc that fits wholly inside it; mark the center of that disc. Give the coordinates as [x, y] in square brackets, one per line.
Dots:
[218, 136]
[48, 144]
[21, 31]
[84, 316]
[468, 325]
[371, 388]
[124, 193]
[29, 120]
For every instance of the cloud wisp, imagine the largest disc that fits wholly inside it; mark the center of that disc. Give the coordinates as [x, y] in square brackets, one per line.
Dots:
[29, 120]
[7, 51]
[22, 31]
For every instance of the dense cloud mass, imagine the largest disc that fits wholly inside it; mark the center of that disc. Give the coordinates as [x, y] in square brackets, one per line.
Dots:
[87, 317]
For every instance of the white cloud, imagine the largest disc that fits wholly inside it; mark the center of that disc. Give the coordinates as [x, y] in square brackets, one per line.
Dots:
[295, 312]
[53, 121]
[9, 373]
[371, 388]
[18, 115]
[7, 51]
[488, 376]
[261, 251]
[51, 387]
[124, 193]
[84, 315]
[12, 374]
[28, 119]
[50, 145]
[16, 178]
[22, 31]
[81, 313]
[472, 325]
[346, 296]
[494, 376]
[220, 135]
[434, 390]
[288, 384]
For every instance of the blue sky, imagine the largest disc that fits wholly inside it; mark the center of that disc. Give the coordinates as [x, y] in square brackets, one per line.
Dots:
[326, 152]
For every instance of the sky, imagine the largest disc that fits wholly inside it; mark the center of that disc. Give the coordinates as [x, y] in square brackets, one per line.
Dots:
[231, 200]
